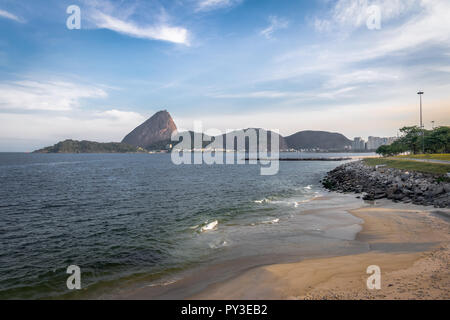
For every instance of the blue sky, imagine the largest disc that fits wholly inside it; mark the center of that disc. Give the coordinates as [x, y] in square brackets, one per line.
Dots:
[287, 65]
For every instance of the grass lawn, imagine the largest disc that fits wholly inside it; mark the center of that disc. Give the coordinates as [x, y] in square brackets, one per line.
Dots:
[408, 165]
[441, 156]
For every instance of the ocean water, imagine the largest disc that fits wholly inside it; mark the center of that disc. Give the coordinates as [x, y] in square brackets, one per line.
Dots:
[138, 219]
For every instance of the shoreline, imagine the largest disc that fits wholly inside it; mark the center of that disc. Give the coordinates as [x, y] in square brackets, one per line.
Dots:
[411, 251]
[410, 243]
[380, 182]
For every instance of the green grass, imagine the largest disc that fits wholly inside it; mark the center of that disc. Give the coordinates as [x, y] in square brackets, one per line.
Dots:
[441, 156]
[435, 168]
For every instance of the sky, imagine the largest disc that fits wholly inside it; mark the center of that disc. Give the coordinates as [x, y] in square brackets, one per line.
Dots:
[348, 66]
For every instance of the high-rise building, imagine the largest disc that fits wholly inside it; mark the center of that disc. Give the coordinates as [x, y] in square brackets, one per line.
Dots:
[358, 144]
[374, 143]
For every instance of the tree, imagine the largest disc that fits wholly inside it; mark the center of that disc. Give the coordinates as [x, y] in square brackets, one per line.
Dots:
[384, 150]
[411, 138]
[436, 141]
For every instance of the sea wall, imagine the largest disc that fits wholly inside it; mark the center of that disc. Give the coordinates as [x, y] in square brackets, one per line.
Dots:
[395, 184]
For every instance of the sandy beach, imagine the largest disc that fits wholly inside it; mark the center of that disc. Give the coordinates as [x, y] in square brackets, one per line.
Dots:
[409, 244]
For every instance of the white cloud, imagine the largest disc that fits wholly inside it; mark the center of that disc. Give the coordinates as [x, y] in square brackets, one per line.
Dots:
[274, 25]
[208, 5]
[120, 116]
[138, 19]
[34, 131]
[364, 76]
[353, 14]
[42, 95]
[258, 94]
[289, 96]
[430, 28]
[395, 44]
[157, 32]
[9, 15]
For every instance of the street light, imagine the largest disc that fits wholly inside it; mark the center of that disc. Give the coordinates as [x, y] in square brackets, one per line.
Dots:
[420, 93]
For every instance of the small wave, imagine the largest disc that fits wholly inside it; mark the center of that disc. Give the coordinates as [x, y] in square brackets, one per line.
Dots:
[265, 200]
[274, 221]
[218, 244]
[210, 226]
[162, 284]
[297, 203]
[308, 187]
[300, 202]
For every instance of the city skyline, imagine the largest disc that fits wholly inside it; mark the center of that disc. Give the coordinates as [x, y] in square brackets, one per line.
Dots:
[292, 66]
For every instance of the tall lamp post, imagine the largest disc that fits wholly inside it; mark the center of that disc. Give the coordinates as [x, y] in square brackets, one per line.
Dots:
[420, 93]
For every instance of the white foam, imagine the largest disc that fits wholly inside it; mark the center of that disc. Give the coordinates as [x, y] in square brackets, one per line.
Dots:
[218, 244]
[265, 200]
[297, 203]
[272, 221]
[210, 226]
[162, 284]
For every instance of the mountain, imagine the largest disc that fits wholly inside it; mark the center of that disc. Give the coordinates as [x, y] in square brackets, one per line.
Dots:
[74, 146]
[156, 133]
[318, 140]
[153, 133]
[220, 142]
[243, 134]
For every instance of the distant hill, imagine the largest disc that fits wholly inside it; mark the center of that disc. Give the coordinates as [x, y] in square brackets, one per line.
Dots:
[156, 132]
[242, 134]
[73, 146]
[318, 140]
[215, 143]
[153, 133]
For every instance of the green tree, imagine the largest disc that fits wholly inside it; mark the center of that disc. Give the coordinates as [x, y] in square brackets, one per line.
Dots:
[384, 150]
[411, 138]
[436, 141]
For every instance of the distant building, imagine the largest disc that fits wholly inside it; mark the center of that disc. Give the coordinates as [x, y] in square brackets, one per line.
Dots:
[375, 142]
[358, 144]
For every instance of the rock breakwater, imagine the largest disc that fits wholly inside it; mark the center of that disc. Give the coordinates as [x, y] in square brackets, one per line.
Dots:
[395, 184]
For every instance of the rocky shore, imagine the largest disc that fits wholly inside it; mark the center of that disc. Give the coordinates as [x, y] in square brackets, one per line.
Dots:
[382, 182]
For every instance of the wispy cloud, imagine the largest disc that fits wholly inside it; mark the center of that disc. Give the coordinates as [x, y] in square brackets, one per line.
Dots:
[208, 5]
[39, 95]
[271, 94]
[417, 33]
[362, 76]
[275, 23]
[351, 14]
[9, 15]
[431, 27]
[306, 95]
[157, 32]
[135, 19]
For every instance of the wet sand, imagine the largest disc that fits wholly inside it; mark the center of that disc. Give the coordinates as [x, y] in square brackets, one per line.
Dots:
[410, 244]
